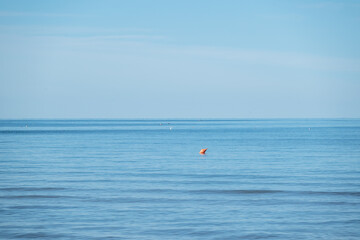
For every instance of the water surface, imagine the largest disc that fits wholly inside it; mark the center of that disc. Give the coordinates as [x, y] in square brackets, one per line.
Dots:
[144, 179]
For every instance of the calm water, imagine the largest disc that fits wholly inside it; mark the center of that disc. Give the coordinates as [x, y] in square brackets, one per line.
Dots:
[137, 179]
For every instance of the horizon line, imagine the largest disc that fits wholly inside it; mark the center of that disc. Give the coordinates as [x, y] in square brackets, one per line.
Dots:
[190, 118]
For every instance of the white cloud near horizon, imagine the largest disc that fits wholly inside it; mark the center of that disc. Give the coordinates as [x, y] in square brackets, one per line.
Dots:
[149, 44]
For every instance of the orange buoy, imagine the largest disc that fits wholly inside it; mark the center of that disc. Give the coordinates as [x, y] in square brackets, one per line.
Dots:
[202, 151]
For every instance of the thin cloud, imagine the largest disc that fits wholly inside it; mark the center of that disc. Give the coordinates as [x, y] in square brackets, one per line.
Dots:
[154, 45]
[282, 17]
[41, 29]
[330, 5]
[101, 39]
[35, 14]
[274, 58]
[120, 37]
[87, 34]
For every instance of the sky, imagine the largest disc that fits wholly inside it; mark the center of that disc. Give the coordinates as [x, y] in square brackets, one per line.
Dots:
[179, 59]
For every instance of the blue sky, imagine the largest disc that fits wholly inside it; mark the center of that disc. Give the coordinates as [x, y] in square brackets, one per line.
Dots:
[179, 59]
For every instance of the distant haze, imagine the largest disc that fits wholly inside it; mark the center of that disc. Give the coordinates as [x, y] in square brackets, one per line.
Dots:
[179, 59]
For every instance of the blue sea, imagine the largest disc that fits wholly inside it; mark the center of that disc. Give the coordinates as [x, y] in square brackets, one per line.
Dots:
[145, 179]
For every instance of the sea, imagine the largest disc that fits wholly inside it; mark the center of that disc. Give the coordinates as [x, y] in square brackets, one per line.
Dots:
[145, 179]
